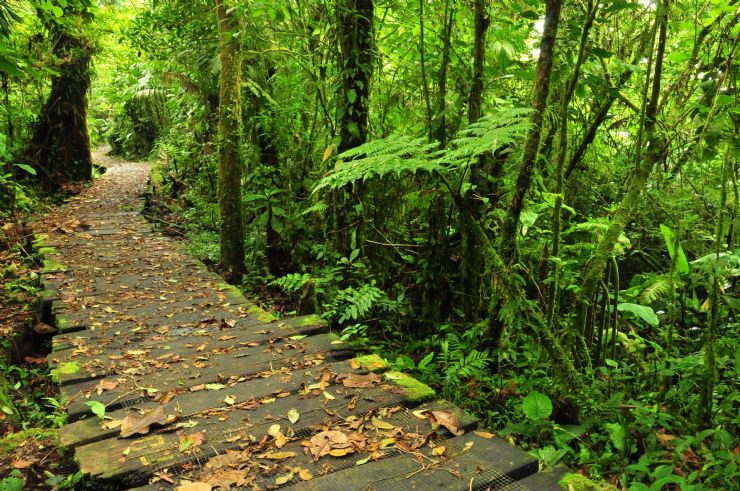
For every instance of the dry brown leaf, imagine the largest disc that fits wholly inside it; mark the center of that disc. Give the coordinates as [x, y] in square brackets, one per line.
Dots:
[448, 420]
[22, 464]
[322, 443]
[140, 424]
[354, 364]
[105, 385]
[353, 381]
[484, 434]
[194, 486]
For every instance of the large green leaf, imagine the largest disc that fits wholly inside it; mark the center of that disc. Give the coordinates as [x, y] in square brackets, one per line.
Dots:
[670, 240]
[645, 313]
[537, 406]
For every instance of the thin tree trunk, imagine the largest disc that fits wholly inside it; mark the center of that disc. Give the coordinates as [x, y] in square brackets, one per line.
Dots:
[471, 262]
[560, 164]
[424, 81]
[229, 146]
[529, 158]
[644, 167]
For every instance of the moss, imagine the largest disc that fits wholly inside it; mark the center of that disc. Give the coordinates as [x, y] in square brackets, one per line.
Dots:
[66, 368]
[372, 362]
[415, 390]
[47, 251]
[579, 482]
[308, 320]
[51, 265]
[61, 322]
[261, 314]
[12, 441]
[39, 240]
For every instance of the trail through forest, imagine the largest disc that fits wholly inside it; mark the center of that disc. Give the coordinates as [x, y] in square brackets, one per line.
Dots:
[173, 380]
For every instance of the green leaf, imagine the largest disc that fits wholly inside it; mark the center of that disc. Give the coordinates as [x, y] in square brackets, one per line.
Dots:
[617, 435]
[537, 406]
[645, 313]
[670, 240]
[27, 168]
[97, 408]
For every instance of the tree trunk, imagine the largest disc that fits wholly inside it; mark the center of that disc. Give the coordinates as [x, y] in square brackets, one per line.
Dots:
[355, 26]
[531, 145]
[553, 288]
[471, 261]
[229, 147]
[644, 167]
[60, 145]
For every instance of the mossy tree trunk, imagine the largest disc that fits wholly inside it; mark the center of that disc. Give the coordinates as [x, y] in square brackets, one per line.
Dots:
[643, 168]
[229, 146]
[60, 144]
[356, 33]
[540, 93]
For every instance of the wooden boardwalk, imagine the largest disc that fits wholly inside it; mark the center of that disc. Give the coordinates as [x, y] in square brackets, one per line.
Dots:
[202, 389]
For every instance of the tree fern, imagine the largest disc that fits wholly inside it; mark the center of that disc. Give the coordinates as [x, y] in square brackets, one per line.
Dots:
[393, 155]
[399, 154]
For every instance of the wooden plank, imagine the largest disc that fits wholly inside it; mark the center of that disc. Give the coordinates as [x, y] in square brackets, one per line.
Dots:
[184, 373]
[409, 431]
[545, 480]
[468, 462]
[132, 461]
[163, 339]
[188, 404]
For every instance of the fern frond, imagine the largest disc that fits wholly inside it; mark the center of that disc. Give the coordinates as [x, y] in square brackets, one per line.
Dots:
[393, 155]
[490, 133]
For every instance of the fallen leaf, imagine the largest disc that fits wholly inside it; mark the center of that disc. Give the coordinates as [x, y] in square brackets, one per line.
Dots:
[363, 461]
[230, 400]
[354, 364]
[189, 442]
[305, 474]
[448, 420]
[353, 381]
[134, 423]
[194, 486]
[439, 450]
[111, 424]
[341, 452]
[382, 425]
[293, 416]
[386, 442]
[215, 386]
[22, 464]
[484, 434]
[322, 443]
[273, 430]
[105, 385]
[284, 479]
[280, 440]
[328, 396]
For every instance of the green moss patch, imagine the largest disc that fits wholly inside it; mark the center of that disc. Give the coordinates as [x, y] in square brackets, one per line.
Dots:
[579, 482]
[415, 390]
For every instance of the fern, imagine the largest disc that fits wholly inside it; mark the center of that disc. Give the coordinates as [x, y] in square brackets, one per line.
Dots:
[393, 155]
[399, 154]
[656, 288]
[291, 283]
[356, 303]
[318, 207]
[489, 134]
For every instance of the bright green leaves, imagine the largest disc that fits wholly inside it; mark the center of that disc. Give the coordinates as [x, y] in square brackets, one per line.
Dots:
[97, 408]
[537, 406]
[682, 265]
[647, 314]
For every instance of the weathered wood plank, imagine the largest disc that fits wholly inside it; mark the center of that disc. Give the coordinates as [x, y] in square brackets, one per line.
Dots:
[217, 332]
[202, 369]
[187, 404]
[132, 461]
[545, 480]
[468, 462]
[409, 431]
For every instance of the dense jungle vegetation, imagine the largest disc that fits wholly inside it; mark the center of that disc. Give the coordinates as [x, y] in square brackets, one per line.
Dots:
[531, 206]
